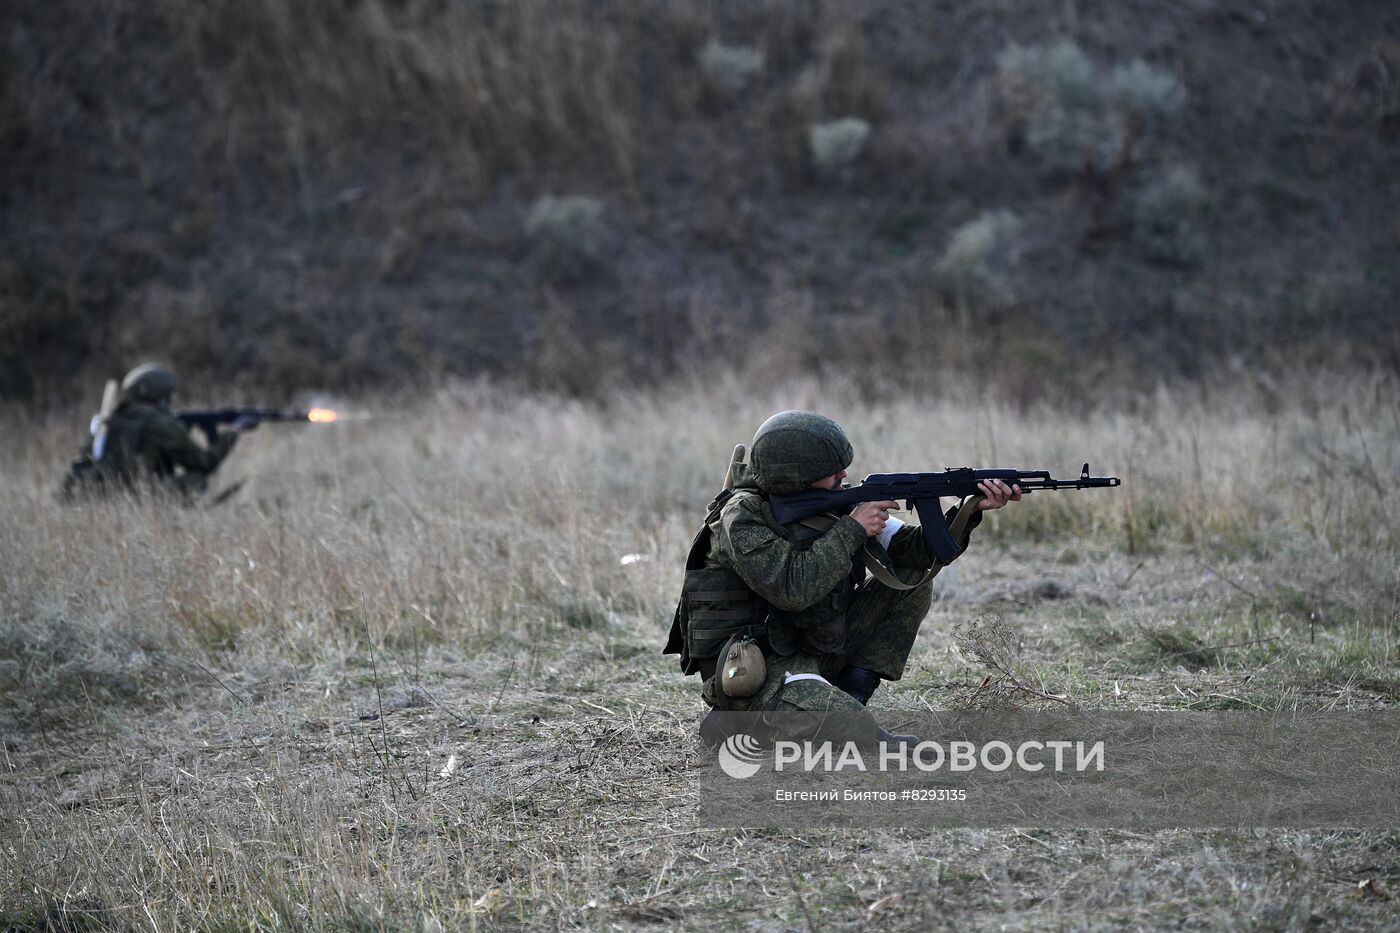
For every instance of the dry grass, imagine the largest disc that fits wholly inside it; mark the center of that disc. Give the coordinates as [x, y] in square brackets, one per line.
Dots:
[238, 717]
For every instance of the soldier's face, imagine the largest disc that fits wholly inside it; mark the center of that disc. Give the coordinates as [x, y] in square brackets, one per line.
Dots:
[830, 482]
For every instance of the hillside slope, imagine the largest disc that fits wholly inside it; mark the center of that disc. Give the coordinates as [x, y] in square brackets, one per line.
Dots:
[385, 191]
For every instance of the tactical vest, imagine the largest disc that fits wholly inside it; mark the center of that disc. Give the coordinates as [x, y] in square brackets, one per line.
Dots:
[121, 459]
[716, 605]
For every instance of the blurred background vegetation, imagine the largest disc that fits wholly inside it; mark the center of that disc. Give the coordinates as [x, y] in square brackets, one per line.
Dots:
[285, 194]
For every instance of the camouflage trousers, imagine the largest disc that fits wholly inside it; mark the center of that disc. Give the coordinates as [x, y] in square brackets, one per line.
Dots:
[881, 626]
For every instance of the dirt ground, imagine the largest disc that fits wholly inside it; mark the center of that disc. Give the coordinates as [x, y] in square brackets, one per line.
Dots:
[557, 785]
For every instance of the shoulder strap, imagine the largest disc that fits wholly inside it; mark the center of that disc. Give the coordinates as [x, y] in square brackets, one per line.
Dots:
[700, 544]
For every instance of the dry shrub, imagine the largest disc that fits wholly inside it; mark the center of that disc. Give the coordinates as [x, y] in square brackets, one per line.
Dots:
[837, 143]
[1075, 115]
[1368, 91]
[1008, 683]
[978, 266]
[568, 234]
[1168, 214]
[730, 69]
[850, 84]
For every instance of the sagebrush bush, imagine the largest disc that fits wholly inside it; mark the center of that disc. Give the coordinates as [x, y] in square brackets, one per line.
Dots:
[567, 235]
[977, 265]
[837, 143]
[1031, 76]
[1075, 115]
[1139, 88]
[1168, 214]
[730, 68]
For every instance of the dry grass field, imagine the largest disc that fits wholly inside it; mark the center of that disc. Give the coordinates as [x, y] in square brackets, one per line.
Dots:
[408, 678]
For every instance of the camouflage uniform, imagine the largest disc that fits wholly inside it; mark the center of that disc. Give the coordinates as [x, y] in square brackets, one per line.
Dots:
[819, 614]
[146, 444]
[825, 615]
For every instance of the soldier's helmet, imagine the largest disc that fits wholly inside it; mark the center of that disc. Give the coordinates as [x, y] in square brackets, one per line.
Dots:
[794, 449]
[149, 382]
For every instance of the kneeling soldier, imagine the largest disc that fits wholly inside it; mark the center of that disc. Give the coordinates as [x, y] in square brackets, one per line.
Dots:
[783, 617]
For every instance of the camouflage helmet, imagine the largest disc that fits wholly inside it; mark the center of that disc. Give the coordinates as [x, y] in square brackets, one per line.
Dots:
[149, 382]
[794, 449]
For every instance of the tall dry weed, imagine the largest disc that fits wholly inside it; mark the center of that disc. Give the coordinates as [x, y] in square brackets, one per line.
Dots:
[483, 517]
[480, 525]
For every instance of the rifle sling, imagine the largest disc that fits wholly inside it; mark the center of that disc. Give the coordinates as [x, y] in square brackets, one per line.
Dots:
[885, 573]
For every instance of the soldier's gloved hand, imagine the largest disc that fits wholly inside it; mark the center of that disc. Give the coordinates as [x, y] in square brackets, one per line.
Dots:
[245, 423]
[873, 515]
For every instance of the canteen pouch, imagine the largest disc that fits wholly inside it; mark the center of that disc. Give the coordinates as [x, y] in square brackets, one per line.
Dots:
[742, 670]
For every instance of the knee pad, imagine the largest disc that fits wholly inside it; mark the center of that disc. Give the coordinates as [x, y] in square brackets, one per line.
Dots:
[858, 682]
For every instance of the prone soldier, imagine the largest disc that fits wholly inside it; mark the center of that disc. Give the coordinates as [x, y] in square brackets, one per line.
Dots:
[136, 440]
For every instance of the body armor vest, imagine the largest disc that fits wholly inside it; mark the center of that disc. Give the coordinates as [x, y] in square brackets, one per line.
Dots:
[716, 605]
[122, 458]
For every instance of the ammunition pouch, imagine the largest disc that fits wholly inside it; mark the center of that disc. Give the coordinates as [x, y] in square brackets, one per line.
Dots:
[715, 606]
[818, 629]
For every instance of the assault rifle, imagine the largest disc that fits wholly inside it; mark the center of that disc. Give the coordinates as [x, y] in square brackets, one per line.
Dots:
[921, 492]
[208, 421]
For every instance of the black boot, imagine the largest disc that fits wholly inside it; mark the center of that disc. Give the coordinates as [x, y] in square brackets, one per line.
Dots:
[711, 732]
[858, 682]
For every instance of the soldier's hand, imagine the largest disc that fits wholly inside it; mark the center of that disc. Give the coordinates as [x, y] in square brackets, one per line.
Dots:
[873, 515]
[996, 494]
[244, 423]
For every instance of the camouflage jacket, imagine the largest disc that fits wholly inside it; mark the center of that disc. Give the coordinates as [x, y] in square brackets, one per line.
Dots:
[165, 443]
[807, 577]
